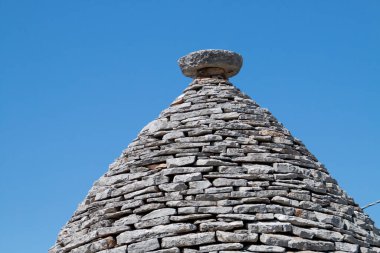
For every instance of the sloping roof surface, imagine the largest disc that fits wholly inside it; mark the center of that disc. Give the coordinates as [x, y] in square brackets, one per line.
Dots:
[216, 173]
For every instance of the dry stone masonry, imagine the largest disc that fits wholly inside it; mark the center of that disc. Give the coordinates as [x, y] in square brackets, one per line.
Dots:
[216, 173]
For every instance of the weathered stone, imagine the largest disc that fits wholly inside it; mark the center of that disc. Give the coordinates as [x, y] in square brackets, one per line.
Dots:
[152, 222]
[173, 135]
[205, 138]
[269, 227]
[186, 115]
[275, 240]
[96, 246]
[121, 249]
[285, 201]
[171, 250]
[265, 248]
[258, 168]
[190, 217]
[187, 210]
[296, 243]
[219, 189]
[215, 209]
[221, 247]
[190, 203]
[303, 244]
[141, 247]
[181, 161]
[247, 217]
[219, 225]
[186, 170]
[148, 207]
[213, 162]
[348, 247]
[229, 182]
[159, 213]
[250, 208]
[188, 240]
[141, 192]
[130, 219]
[226, 116]
[317, 233]
[236, 237]
[301, 222]
[200, 184]
[229, 61]
[214, 173]
[106, 231]
[187, 177]
[158, 231]
[171, 187]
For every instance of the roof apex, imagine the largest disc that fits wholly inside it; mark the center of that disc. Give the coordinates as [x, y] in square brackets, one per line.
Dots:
[211, 62]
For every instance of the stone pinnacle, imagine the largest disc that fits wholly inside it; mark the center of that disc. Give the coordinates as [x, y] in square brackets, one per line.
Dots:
[211, 62]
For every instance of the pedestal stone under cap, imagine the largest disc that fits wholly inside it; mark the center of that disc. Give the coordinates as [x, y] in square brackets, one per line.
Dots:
[211, 62]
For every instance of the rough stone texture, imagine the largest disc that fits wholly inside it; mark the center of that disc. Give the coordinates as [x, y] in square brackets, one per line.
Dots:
[216, 173]
[229, 61]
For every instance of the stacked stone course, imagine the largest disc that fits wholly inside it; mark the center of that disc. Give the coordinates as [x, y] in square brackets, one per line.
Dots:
[216, 173]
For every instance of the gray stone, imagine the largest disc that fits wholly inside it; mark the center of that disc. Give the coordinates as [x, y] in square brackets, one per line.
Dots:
[187, 210]
[304, 244]
[190, 217]
[192, 63]
[96, 246]
[250, 208]
[152, 222]
[157, 231]
[275, 240]
[269, 227]
[187, 115]
[223, 236]
[121, 249]
[200, 184]
[247, 217]
[216, 162]
[265, 248]
[205, 138]
[187, 177]
[171, 187]
[173, 135]
[258, 168]
[215, 209]
[226, 116]
[221, 247]
[188, 240]
[301, 222]
[296, 243]
[171, 250]
[159, 213]
[213, 162]
[148, 207]
[285, 201]
[181, 161]
[348, 247]
[130, 219]
[156, 125]
[229, 182]
[220, 225]
[186, 170]
[144, 246]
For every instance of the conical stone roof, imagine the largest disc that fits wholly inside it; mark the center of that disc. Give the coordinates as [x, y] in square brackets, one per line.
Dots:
[216, 173]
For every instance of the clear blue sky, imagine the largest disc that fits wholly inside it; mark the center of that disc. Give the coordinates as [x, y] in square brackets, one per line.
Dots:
[79, 79]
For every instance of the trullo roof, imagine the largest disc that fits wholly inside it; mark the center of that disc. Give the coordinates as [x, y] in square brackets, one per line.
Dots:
[216, 173]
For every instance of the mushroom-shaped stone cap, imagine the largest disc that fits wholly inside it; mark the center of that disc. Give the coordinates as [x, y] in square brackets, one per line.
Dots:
[227, 61]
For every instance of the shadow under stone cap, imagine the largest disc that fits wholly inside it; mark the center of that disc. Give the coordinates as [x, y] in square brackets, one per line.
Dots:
[227, 62]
